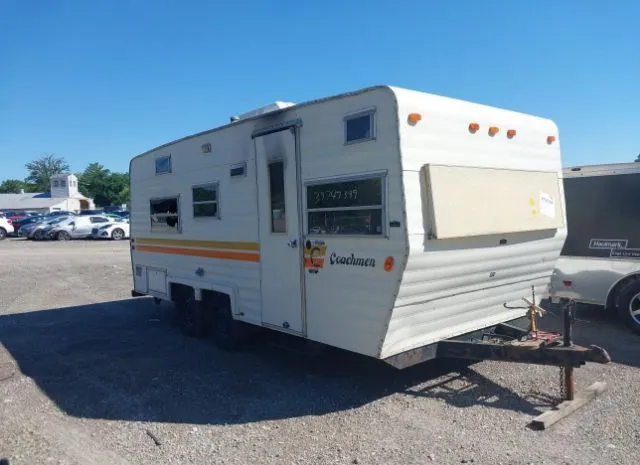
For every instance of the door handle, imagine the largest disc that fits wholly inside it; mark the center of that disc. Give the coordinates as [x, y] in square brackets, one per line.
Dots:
[293, 243]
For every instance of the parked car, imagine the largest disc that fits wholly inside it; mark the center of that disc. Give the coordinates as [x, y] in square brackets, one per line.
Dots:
[25, 221]
[37, 230]
[78, 227]
[6, 227]
[61, 213]
[117, 231]
[91, 212]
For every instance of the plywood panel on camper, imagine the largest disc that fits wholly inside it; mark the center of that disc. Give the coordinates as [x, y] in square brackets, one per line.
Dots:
[463, 201]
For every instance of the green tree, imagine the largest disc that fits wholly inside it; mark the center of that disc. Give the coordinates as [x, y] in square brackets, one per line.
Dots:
[41, 170]
[638, 157]
[11, 186]
[103, 186]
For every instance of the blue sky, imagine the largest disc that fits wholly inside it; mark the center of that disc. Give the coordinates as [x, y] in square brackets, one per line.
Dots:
[104, 81]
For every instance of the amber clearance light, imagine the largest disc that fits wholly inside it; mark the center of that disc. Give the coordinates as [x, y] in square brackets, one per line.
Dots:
[414, 118]
[511, 133]
[493, 130]
[473, 127]
[388, 264]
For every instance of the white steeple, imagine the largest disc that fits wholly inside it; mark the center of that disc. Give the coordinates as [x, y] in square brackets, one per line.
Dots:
[64, 186]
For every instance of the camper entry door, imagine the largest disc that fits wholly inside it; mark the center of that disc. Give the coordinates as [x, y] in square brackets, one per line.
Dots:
[280, 248]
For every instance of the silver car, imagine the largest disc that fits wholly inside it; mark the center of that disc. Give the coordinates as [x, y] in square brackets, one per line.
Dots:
[77, 227]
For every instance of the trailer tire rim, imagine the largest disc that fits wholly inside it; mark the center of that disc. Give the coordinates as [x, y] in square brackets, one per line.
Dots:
[634, 308]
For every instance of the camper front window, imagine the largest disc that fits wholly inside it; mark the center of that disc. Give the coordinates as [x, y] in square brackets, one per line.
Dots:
[165, 216]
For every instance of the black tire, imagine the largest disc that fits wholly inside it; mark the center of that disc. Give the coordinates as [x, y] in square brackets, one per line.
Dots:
[63, 236]
[191, 318]
[228, 334]
[117, 234]
[38, 235]
[3, 234]
[629, 301]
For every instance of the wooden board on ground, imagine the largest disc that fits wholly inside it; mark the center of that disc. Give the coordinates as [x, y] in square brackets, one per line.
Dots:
[567, 407]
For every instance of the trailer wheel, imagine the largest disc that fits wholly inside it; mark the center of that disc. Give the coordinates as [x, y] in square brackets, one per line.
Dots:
[629, 305]
[191, 318]
[228, 334]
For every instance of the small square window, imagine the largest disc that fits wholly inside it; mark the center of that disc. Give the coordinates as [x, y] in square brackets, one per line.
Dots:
[56, 183]
[163, 164]
[63, 184]
[359, 127]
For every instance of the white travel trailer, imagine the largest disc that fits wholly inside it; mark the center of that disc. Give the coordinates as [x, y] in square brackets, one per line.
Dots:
[379, 221]
[600, 261]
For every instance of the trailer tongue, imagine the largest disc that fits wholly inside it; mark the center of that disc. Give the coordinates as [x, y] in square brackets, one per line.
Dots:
[509, 343]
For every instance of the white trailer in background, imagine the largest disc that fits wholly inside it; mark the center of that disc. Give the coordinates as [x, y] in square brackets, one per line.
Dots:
[381, 221]
[600, 261]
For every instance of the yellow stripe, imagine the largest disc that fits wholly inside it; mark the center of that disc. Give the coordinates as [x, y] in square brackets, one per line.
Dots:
[225, 255]
[252, 246]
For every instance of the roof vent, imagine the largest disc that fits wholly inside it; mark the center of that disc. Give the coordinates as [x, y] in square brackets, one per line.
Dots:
[263, 110]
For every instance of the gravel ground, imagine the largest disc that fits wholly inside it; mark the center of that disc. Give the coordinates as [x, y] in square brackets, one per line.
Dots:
[91, 376]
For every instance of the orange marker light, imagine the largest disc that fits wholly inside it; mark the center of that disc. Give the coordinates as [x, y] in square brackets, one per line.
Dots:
[551, 139]
[511, 133]
[493, 131]
[413, 118]
[473, 127]
[388, 264]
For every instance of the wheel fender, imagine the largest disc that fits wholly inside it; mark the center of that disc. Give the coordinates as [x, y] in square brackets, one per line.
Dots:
[198, 286]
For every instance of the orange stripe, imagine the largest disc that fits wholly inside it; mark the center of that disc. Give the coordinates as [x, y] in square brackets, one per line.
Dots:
[246, 257]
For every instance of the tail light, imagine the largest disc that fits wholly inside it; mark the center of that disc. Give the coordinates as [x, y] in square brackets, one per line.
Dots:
[567, 283]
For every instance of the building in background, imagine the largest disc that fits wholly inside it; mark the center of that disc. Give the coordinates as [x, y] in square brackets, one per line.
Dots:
[64, 195]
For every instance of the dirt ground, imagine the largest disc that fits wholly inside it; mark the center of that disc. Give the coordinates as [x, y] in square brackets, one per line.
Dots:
[89, 375]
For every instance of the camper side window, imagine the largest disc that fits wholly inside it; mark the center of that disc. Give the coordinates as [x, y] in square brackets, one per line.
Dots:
[205, 201]
[349, 207]
[165, 216]
[276, 191]
[163, 164]
[359, 127]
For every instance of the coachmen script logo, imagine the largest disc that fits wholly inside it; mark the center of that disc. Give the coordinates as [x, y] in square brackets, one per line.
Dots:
[351, 260]
[314, 253]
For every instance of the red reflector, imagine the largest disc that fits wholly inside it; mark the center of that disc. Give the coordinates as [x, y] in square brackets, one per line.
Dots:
[567, 283]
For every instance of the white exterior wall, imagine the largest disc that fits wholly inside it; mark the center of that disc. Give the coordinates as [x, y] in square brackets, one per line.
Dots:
[238, 212]
[349, 307]
[345, 306]
[446, 288]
